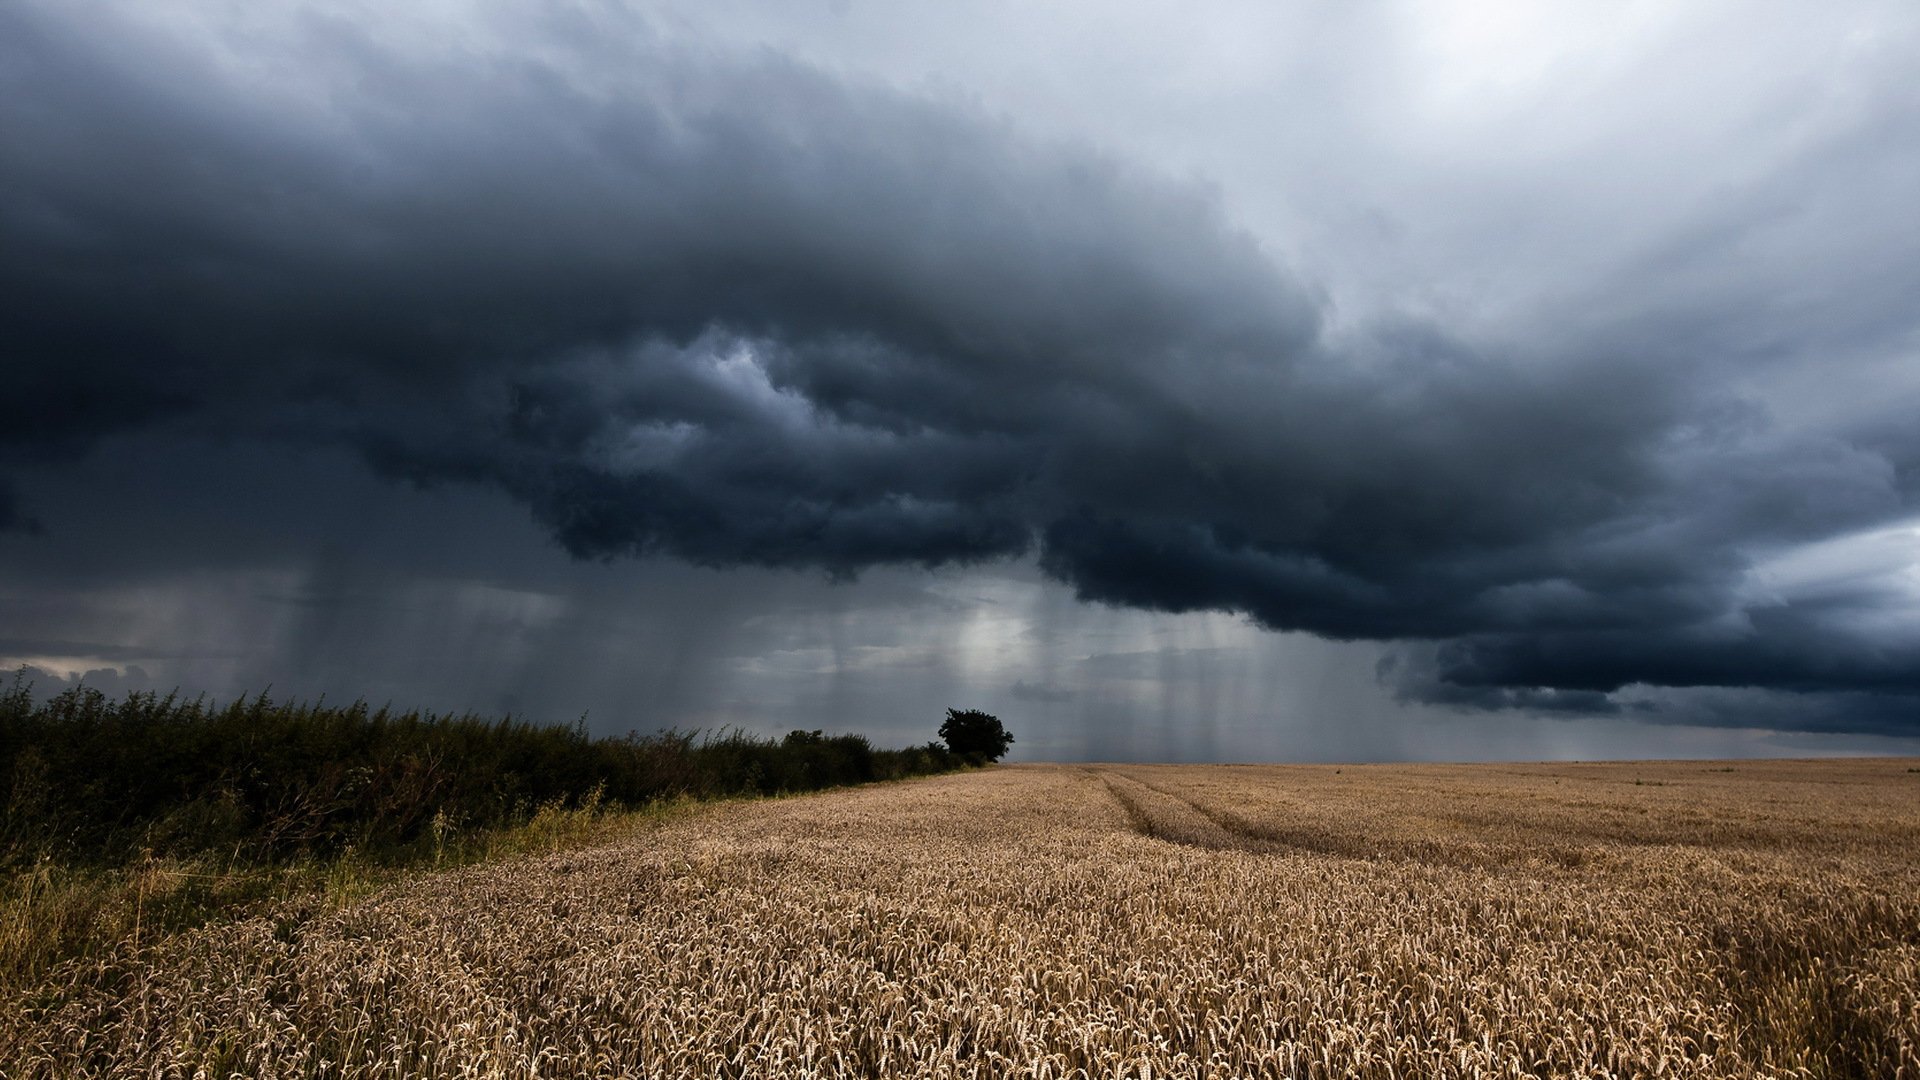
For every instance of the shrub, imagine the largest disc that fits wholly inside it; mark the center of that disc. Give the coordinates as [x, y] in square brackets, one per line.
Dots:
[90, 778]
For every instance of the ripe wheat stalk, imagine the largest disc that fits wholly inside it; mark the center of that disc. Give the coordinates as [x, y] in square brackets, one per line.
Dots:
[1596, 921]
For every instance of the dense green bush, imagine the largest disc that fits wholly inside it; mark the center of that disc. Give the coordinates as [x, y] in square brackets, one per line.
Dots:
[85, 776]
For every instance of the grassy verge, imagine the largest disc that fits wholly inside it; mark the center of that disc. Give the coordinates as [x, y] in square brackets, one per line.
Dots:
[129, 820]
[56, 911]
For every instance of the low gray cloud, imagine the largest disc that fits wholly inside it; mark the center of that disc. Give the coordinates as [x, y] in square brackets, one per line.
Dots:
[738, 309]
[1023, 690]
[112, 682]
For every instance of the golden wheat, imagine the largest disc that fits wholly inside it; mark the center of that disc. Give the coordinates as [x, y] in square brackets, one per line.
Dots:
[1683, 919]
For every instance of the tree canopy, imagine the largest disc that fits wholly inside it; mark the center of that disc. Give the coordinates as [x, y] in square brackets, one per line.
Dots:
[977, 736]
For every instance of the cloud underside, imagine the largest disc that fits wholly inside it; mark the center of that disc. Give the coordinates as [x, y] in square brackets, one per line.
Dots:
[738, 311]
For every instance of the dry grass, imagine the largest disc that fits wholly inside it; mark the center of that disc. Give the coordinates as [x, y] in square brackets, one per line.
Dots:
[54, 912]
[1691, 919]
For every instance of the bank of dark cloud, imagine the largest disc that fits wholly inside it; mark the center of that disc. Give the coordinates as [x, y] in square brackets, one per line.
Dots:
[737, 311]
[12, 519]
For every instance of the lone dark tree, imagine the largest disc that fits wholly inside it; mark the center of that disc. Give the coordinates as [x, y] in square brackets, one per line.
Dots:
[975, 735]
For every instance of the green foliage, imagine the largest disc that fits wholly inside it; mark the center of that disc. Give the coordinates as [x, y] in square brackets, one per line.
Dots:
[91, 779]
[975, 736]
[126, 820]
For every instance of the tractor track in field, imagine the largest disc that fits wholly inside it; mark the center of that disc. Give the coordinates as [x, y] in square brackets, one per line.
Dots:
[1202, 827]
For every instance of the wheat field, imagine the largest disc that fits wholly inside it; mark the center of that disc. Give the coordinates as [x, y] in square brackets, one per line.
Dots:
[1677, 919]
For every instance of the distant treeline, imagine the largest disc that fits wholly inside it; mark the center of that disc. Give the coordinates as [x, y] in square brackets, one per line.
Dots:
[85, 777]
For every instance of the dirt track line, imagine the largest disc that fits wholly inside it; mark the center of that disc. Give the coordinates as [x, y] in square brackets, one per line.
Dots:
[1137, 818]
[1201, 831]
[1228, 823]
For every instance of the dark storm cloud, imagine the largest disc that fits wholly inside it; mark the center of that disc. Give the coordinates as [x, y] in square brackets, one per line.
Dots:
[96, 650]
[737, 310]
[11, 517]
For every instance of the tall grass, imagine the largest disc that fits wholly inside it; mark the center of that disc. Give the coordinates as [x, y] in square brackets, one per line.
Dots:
[126, 818]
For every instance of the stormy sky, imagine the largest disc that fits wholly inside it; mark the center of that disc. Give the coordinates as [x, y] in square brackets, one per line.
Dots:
[1201, 382]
